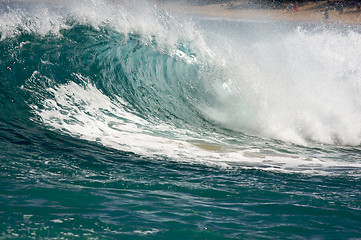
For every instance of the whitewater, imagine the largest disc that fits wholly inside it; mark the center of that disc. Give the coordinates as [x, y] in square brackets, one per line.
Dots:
[125, 120]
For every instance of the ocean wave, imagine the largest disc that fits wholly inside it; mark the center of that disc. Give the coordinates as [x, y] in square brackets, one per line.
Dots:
[147, 82]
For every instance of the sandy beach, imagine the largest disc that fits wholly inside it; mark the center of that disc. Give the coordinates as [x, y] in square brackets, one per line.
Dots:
[247, 9]
[306, 11]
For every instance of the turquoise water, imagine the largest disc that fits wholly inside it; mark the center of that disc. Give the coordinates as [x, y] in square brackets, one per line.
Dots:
[129, 122]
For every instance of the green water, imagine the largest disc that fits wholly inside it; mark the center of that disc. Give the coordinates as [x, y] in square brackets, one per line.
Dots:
[77, 190]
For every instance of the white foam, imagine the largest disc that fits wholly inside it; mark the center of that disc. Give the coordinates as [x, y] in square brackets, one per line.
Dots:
[126, 17]
[296, 87]
[86, 113]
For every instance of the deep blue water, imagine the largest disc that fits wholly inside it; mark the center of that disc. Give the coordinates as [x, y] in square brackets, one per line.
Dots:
[128, 122]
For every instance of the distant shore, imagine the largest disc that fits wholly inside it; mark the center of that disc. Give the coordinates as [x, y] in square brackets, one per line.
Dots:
[320, 11]
[305, 11]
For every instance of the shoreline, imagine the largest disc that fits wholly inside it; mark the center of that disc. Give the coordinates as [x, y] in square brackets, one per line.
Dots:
[246, 9]
[308, 12]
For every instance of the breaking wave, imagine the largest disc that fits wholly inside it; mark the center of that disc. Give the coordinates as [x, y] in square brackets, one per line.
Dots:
[142, 80]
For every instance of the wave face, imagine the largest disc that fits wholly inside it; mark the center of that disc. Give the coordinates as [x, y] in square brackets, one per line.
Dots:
[81, 72]
[147, 82]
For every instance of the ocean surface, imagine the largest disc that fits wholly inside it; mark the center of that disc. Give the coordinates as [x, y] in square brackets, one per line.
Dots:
[125, 121]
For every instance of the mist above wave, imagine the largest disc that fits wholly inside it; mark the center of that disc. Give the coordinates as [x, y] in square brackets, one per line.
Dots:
[299, 84]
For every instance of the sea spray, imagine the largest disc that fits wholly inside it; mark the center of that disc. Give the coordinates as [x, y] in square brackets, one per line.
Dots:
[302, 85]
